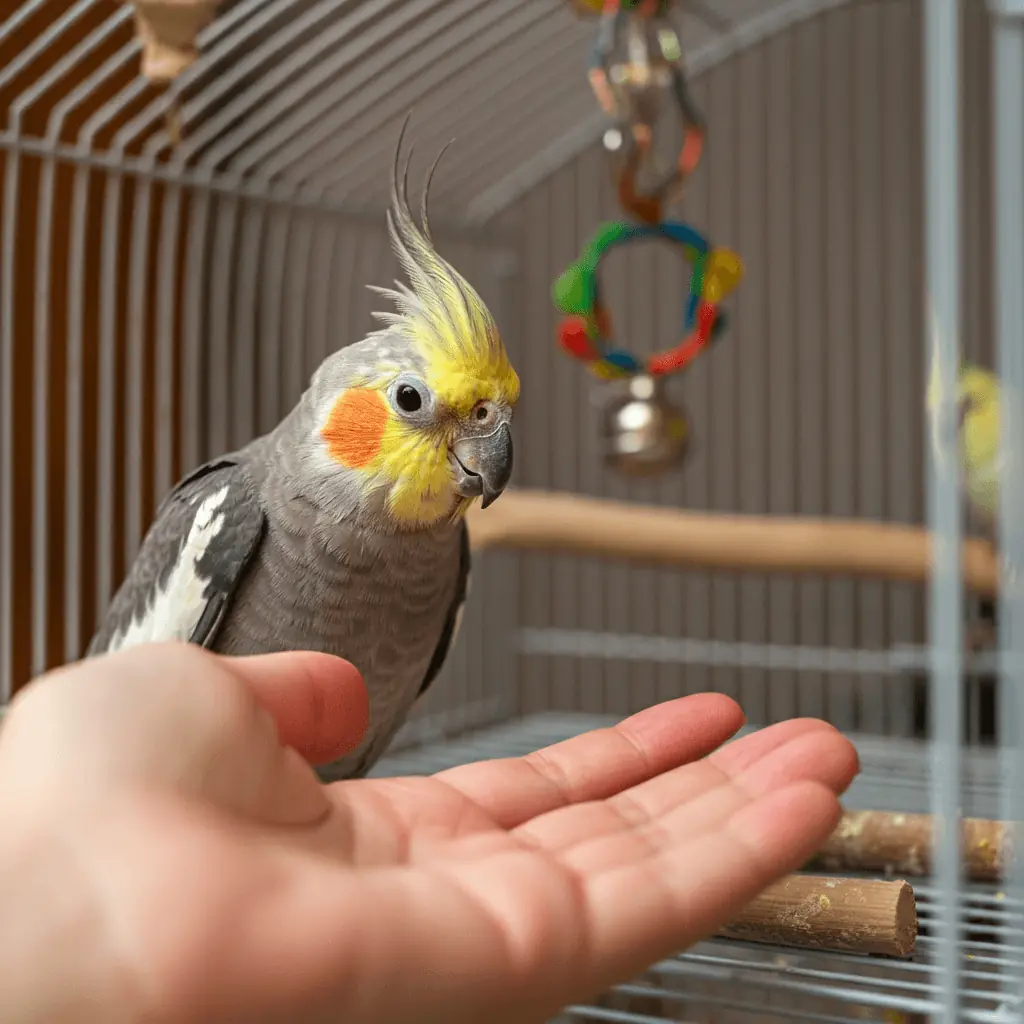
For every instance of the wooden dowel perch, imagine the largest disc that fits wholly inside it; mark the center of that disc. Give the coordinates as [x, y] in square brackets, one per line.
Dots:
[564, 523]
[847, 915]
[902, 844]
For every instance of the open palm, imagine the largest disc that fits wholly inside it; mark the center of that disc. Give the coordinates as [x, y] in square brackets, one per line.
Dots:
[497, 891]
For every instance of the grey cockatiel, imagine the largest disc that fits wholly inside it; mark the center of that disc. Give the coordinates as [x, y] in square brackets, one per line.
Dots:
[342, 530]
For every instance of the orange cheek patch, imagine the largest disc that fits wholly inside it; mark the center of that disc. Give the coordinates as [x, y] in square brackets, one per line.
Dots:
[355, 427]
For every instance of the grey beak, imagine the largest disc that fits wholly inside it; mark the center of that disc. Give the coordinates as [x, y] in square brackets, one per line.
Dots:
[483, 465]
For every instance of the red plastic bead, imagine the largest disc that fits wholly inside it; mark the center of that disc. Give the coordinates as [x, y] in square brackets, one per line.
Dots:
[706, 317]
[572, 335]
[677, 358]
[664, 362]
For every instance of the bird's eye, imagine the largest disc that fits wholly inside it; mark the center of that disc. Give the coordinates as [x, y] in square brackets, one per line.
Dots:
[408, 399]
[483, 412]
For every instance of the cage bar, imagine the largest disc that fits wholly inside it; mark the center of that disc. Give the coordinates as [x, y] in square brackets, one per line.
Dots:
[1008, 298]
[942, 153]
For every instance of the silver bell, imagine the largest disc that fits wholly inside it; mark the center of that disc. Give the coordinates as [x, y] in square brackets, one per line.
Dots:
[644, 434]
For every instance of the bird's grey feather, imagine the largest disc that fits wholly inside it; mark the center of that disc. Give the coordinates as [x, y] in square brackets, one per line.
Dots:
[451, 625]
[341, 585]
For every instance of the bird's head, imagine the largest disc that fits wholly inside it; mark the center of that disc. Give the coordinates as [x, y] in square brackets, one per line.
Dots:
[415, 419]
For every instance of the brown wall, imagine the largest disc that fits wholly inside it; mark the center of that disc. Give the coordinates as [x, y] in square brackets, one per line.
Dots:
[54, 309]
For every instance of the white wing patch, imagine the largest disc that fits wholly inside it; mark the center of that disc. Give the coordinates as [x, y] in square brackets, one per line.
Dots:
[175, 609]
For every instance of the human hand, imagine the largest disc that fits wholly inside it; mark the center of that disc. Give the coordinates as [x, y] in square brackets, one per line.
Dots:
[183, 865]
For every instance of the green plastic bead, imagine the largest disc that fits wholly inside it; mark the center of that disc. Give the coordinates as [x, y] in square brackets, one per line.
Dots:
[571, 292]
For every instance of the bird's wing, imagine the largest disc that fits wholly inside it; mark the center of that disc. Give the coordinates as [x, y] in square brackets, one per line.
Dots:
[454, 617]
[192, 559]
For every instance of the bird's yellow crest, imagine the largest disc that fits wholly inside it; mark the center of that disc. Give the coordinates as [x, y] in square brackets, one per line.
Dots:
[441, 314]
[455, 349]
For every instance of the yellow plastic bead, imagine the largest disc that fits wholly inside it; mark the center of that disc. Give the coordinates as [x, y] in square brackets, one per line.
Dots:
[723, 273]
[607, 371]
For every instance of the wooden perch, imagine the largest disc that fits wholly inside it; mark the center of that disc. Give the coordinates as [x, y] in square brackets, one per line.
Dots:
[902, 844]
[167, 30]
[847, 915]
[565, 523]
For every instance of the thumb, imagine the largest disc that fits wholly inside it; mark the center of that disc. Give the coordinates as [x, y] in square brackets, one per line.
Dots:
[235, 731]
[318, 702]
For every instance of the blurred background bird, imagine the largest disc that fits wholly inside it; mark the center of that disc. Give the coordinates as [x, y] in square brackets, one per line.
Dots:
[977, 410]
[978, 416]
[976, 405]
[978, 424]
[978, 419]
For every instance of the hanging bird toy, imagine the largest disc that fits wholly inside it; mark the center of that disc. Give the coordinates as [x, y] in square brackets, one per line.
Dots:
[636, 65]
[642, 432]
[585, 329]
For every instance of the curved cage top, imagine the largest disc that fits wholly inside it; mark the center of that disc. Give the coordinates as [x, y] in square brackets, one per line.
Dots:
[301, 101]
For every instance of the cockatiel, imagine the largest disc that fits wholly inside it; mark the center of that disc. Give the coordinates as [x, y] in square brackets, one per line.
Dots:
[977, 407]
[977, 404]
[342, 530]
[978, 410]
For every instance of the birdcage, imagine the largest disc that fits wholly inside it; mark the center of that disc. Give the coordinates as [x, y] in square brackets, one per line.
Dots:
[187, 229]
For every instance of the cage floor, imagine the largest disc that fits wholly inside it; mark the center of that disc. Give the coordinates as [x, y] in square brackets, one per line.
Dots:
[723, 980]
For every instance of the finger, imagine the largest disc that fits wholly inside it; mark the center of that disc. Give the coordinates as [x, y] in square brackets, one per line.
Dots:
[649, 907]
[599, 763]
[570, 932]
[818, 751]
[759, 762]
[755, 745]
[704, 794]
[163, 716]
[318, 702]
[507, 791]
[524, 936]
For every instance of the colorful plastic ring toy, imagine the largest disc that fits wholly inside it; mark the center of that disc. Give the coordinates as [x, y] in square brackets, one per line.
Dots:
[585, 329]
